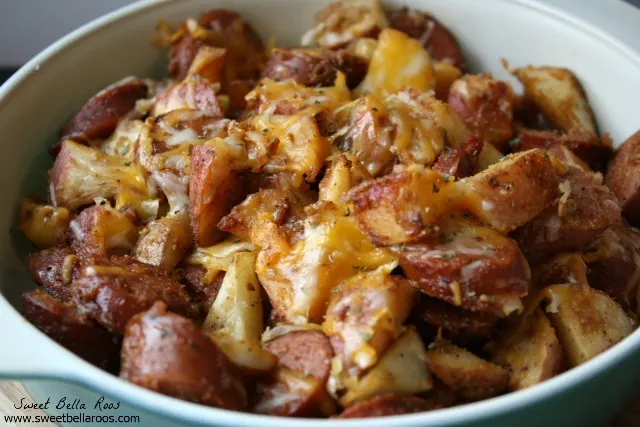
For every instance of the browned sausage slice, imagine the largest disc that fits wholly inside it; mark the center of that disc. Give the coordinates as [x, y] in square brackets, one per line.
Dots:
[298, 387]
[385, 405]
[65, 324]
[468, 265]
[113, 291]
[585, 209]
[435, 38]
[308, 352]
[54, 270]
[623, 178]
[100, 115]
[168, 353]
[596, 152]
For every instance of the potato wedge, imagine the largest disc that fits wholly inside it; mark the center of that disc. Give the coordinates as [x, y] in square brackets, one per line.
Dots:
[194, 92]
[214, 189]
[43, 224]
[247, 356]
[529, 349]
[587, 321]
[468, 376]
[558, 94]
[365, 315]
[344, 173]
[103, 230]
[501, 195]
[401, 371]
[237, 310]
[165, 241]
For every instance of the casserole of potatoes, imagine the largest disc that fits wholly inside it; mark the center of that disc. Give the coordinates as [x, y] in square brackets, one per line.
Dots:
[360, 226]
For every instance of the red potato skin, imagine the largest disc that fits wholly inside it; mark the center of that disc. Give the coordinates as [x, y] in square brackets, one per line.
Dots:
[100, 115]
[46, 269]
[623, 178]
[64, 323]
[245, 51]
[583, 144]
[315, 68]
[486, 107]
[386, 405]
[167, 353]
[204, 294]
[460, 162]
[214, 189]
[114, 290]
[434, 37]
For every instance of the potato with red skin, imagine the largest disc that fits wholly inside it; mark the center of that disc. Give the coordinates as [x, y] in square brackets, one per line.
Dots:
[468, 265]
[304, 364]
[181, 126]
[386, 405]
[584, 210]
[214, 188]
[434, 37]
[112, 291]
[48, 267]
[486, 106]
[623, 178]
[226, 29]
[315, 67]
[194, 92]
[102, 230]
[458, 325]
[589, 148]
[201, 292]
[460, 162]
[167, 353]
[64, 323]
[467, 375]
[102, 112]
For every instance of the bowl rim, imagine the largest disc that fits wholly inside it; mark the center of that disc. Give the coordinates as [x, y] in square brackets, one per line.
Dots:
[94, 378]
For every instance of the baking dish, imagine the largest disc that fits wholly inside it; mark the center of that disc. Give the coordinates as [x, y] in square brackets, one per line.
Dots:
[42, 96]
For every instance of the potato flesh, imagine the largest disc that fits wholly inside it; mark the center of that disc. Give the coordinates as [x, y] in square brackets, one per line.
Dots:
[587, 321]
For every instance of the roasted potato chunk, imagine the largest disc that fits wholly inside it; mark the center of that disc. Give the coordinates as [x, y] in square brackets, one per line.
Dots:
[587, 321]
[165, 241]
[460, 162]
[398, 62]
[486, 107]
[501, 195]
[209, 63]
[469, 266]
[344, 173]
[623, 178]
[445, 74]
[237, 310]
[401, 371]
[194, 92]
[344, 21]
[558, 95]
[529, 349]
[565, 268]
[214, 188]
[44, 225]
[299, 278]
[102, 230]
[434, 37]
[468, 376]
[365, 316]
[81, 174]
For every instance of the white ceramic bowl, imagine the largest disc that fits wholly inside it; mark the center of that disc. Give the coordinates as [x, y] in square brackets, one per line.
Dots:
[45, 92]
